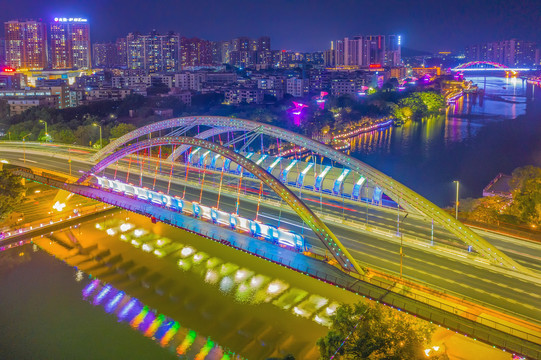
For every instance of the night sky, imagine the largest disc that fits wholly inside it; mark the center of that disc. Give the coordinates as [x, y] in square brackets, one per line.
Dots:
[306, 25]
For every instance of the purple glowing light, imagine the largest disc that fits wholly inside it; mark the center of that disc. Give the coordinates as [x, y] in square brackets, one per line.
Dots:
[102, 294]
[131, 305]
[111, 305]
[90, 288]
[147, 321]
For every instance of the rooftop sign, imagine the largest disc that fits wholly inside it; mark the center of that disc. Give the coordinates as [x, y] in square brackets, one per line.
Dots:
[57, 19]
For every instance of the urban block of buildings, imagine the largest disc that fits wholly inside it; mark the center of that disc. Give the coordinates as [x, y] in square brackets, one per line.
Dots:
[54, 64]
[511, 53]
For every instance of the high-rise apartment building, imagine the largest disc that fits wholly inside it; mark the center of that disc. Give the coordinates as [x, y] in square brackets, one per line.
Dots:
[512, 52]
[26, 44]
[364, 51]
[217, 53]
[196, 52]
[153, 53]
[246, 52]
[70, 43]
[121, 52]
[104, 55]
[2, 52]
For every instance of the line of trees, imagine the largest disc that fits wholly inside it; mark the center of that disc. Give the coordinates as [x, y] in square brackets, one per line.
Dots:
[523, 208]
[74, 125]
[418, 105]
[11, 193]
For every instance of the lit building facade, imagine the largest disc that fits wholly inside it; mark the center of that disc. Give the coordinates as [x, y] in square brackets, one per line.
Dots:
[245, 52]
[104, 54]
[121, 52]
[365, 50]
[196, 52]
[26, 45]
[70, 44]
[512, 52]
[153, 53]
[296, 86]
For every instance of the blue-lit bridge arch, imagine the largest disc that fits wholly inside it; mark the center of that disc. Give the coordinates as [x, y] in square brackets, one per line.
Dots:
[328, 239]
[407, 198]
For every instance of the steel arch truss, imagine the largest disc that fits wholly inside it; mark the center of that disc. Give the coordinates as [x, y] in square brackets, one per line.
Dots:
[329, 240]
[476, 63]
[203, 135]
[401, 194]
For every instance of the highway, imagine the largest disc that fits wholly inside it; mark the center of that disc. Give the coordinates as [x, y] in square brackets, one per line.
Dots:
[514, 295]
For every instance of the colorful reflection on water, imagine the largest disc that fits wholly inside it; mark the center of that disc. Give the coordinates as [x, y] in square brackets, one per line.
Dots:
[163, 330]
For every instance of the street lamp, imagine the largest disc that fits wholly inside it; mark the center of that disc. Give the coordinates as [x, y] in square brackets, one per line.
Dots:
[456, 202]
[46, 134]
[98, 125]
[24, 147]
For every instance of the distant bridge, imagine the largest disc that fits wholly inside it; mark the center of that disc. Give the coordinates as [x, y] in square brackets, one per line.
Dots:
[486, 66]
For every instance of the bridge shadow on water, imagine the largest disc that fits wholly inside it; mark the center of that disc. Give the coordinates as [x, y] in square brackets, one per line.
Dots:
[223, 301]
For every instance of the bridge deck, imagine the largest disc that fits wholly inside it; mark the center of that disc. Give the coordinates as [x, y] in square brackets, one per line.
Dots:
[463, 318]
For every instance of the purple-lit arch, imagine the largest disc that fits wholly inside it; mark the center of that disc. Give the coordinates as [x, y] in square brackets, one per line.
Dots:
[472, 64]
[329, 240]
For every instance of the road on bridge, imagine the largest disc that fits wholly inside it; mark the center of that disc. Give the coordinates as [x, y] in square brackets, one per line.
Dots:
[512, 294]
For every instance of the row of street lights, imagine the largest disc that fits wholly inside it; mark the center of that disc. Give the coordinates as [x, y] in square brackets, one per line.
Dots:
[47, 133]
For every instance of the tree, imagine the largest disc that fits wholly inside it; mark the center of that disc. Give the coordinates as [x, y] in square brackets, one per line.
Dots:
[261, 115]
[488, 209]
[526, 189]
[130, 102]
[11, 192]
[416, 104]
[434, 102]
[159, 88]
[527, 202]
[121, 129]
[87, 134]
[65, 136]
[522, 174]
[373, 331]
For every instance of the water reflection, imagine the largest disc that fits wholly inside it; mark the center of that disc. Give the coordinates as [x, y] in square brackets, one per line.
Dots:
[162, 329]
[245, 285]
[425, 135]
[246, 305]
[478, 137]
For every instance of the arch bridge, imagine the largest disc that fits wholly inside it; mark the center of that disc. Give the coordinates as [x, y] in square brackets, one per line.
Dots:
[192, 131]
[486, 66]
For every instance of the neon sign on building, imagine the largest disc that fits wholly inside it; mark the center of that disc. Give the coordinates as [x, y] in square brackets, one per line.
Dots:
[63, 19]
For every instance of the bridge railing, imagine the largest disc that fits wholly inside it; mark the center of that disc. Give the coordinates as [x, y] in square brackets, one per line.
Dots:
[461, 321]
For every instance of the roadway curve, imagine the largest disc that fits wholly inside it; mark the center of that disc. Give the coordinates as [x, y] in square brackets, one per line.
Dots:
[467, 278]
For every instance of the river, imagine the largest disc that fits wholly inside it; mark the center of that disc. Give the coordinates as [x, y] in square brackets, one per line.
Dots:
[477, 139]
[215, 302]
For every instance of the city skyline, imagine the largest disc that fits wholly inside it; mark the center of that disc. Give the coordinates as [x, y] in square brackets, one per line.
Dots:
[292, 26]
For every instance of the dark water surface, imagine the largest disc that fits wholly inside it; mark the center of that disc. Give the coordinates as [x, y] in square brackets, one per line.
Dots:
[42, 315]
[477, 139]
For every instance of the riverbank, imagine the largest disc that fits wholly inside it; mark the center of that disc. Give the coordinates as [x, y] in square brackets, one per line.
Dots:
[472, 143]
